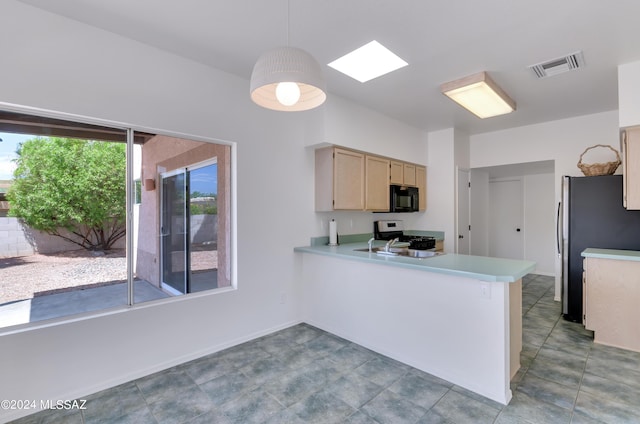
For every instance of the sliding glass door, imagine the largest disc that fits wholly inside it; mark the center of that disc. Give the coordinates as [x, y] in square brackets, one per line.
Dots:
[173, 232]
[189, 228]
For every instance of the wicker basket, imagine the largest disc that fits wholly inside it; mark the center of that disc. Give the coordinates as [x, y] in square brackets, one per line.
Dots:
[591, 170]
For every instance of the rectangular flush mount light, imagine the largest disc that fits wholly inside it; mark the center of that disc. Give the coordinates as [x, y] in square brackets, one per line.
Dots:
[368, 62]
[479, 95]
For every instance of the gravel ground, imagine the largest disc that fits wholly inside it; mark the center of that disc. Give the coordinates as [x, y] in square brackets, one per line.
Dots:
[25, 277]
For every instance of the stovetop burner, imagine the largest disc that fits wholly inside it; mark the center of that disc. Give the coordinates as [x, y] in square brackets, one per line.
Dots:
[388, 230]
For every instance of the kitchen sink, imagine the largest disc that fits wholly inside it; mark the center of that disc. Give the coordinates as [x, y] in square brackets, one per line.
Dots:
[402, 251]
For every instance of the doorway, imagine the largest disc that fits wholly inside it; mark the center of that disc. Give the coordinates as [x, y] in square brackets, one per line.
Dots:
[188, 228]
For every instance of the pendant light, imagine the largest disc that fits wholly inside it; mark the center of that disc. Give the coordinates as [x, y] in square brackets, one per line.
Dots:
[287, 79]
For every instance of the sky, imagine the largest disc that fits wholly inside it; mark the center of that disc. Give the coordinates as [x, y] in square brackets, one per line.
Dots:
[8, 148]
[205, 179]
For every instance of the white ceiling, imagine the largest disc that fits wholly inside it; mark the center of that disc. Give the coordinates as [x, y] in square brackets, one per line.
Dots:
[441, 40]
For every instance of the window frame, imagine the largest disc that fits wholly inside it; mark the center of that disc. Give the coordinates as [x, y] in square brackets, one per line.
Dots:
[130, 204]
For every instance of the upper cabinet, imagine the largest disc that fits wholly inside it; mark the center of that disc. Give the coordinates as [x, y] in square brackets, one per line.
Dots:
[339, 179]
[351, 180]
[403, 173]
[376, 183]
[421, 183]
[397, 172]
[409, 174]
[630, 146]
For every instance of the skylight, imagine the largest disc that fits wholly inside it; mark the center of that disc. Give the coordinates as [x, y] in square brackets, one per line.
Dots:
[368, 62]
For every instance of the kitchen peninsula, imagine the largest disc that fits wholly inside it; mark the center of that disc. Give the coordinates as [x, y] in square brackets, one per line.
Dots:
[458, 317]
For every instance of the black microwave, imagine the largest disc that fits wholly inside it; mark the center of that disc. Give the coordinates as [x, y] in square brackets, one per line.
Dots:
[403, 199]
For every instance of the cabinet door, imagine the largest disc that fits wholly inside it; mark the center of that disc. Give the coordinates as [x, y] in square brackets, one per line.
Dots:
[409, 174]
[421, 183]
[377, 184]
[397, 172]
[585, 295]
[348, 180]
[631, 167]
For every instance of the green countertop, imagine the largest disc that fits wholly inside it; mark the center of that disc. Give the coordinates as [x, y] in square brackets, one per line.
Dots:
[476, 267]
[622, 255]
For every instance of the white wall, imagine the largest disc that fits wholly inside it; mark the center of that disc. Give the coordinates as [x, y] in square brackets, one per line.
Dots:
[57, 64]
[441, 182]
[539, 222]
[362, 129]
[629, 94]
[561, 141]
[448, 151]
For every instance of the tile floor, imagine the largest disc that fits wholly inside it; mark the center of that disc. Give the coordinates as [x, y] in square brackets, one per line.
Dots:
[305, 375]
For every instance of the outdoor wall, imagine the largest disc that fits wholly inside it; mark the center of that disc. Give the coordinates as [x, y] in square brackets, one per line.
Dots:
[13, 238]
[17, 239]
[162, 154]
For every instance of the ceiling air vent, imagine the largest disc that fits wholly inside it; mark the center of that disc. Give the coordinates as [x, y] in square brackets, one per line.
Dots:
[559, 65]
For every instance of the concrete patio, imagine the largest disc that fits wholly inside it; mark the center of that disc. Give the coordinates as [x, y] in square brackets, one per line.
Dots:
[74, 302]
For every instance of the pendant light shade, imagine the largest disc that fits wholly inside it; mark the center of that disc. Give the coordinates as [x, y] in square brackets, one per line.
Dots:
[287, 65]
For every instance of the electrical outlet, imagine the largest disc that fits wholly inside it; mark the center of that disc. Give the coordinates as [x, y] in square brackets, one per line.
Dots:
[485, 291]
[283, 298]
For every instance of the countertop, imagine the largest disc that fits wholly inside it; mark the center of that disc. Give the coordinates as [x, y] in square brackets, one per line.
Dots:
[622, 255]
[476, 267]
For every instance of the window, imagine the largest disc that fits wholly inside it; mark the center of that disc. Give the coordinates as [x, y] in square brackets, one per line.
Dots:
[178, 241]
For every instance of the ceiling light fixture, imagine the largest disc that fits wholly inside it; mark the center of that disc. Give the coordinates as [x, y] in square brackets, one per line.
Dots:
[479, 95]
[287, 79]
[368, 62]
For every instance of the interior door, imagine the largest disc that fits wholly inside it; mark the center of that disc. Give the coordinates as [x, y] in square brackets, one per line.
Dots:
[174, 232]
[506, 233]
[463, 222]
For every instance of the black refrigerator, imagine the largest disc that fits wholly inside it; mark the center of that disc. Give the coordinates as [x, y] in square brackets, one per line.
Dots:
[591, 214]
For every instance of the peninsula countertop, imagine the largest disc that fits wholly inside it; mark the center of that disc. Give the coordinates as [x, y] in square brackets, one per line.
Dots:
[476, 267]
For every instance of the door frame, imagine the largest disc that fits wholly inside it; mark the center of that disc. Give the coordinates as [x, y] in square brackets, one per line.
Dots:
[458, 204]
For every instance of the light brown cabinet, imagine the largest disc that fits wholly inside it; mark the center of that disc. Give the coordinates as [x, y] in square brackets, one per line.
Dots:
[376, 183]
[403, 173]
[421, 183]
[339, 179]
[610, 297]
[351, 180]
[630, 146]
[409, 174]
[397, 172]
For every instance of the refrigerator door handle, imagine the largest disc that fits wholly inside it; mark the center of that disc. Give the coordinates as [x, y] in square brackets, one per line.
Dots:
[558, 237]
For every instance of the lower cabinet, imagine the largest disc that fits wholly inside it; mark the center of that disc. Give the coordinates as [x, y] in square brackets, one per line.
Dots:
[611, 297]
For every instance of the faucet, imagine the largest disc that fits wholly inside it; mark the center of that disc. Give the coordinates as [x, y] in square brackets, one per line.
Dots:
[370, 243]
[390, 243]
